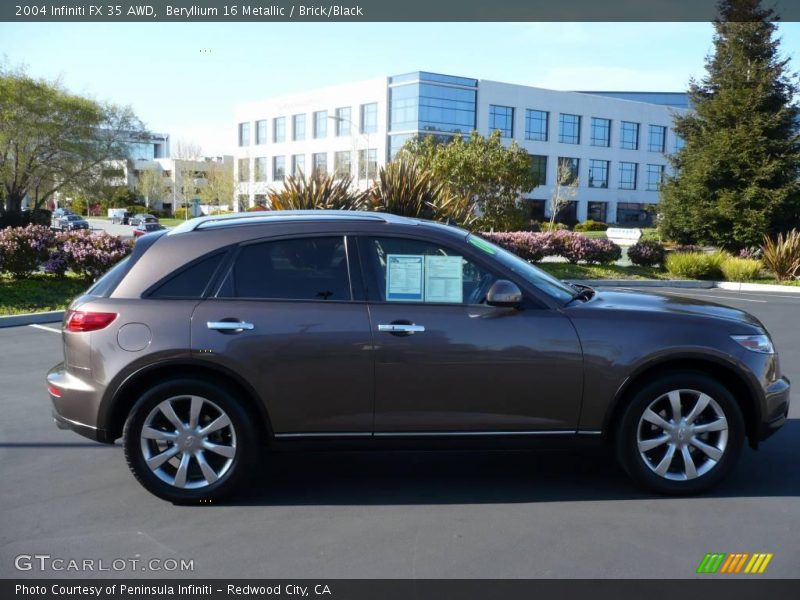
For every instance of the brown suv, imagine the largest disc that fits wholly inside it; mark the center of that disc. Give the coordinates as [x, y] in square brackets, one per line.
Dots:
[230, 333]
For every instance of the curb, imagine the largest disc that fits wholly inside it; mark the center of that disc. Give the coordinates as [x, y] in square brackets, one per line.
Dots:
[647, 283]
[31, 318]
[757, 287]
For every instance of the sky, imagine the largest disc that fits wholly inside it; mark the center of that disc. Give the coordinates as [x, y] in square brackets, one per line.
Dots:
[186, 78]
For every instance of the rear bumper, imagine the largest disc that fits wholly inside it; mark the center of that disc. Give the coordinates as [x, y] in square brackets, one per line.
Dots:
[75, 403]
[776, 405]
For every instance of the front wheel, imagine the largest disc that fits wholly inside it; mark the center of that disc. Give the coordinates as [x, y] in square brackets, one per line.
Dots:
[681, 434]
[189, 441]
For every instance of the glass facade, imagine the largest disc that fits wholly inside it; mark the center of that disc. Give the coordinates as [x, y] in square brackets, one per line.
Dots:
[598, 173]
[244, 134]
[627, 175]
[657, 138]
[244, 169]
[279, 129]
[298, 165]
[536, 125]
[655, 174]
[369, 118]
[261, 132]
[342, 163]
[397, 141]
[629, 135]
[261, 168]
[679, 143]
[319, 163]
[344, 120]
[539, 168]
[278, 168]
[633, 213]
[568, 169]
[321, 124]
[501, 118]
[569, 129]
[429, 107]
[367, 163]
[597, 211]
[298, 127]
[601, 132]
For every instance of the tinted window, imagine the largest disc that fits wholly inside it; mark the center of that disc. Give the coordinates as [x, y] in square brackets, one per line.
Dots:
[108, 282]
[190, 282]
[296, 269]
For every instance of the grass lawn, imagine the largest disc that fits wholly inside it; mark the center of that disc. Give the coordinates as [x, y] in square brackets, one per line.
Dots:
[170, 222]
[39, 293]
[564, 270]
[794, 282]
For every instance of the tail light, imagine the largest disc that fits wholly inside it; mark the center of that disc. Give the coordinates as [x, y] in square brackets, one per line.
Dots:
[78, 320]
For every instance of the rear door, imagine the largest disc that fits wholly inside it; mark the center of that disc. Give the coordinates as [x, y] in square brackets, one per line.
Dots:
[285, 320]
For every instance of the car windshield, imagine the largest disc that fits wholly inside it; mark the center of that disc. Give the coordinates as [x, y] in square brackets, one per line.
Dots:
[544, 281]
[73, 218]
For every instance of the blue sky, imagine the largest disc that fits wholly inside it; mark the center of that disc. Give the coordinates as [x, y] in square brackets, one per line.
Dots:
[186, 78]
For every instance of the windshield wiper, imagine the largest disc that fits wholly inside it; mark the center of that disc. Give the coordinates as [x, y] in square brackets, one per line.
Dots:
[584, 292]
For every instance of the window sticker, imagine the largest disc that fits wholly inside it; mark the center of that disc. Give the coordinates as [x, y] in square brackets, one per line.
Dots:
[404, 277]
[444, 279]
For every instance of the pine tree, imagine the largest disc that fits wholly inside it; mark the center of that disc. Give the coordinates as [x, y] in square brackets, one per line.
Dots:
[737, 176]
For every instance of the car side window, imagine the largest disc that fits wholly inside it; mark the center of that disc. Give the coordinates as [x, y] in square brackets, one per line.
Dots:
[410, 270]
[294, 269]
[190, 282]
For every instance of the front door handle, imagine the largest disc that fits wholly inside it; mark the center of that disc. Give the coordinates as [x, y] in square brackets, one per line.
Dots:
[230, 326]
[401, 328]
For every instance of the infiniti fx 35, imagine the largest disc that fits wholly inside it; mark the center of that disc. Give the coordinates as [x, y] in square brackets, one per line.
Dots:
[236, 332]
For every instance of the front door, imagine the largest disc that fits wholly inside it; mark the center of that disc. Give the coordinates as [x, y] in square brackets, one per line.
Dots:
[445, 361]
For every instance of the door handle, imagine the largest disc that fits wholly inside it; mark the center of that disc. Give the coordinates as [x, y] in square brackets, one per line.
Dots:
[230, 326]
[406, 328]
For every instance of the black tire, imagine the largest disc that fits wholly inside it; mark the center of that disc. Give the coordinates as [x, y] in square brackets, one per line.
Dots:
[245, 441]
[636, 465]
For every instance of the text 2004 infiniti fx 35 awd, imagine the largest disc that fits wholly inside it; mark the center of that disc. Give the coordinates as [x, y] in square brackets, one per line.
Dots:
[230, 333]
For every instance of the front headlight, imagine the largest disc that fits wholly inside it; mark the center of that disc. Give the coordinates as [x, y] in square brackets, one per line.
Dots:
[755, 343]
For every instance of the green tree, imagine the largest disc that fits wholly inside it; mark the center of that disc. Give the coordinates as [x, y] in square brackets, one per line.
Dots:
[52, 140]
[151, 186]
[736, 178]
[219, 187]
[493, 176]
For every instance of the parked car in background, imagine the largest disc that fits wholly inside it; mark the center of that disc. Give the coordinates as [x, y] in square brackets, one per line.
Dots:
[295, 327]
[137, 220]
[72, 222]
[119, 215]
[144, 228]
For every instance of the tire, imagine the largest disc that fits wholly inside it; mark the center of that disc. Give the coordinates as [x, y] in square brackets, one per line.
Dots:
[652, 444]
[229, 448]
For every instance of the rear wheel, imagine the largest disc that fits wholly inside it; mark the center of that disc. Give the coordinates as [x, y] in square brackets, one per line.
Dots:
[681, 434]
[189, 441]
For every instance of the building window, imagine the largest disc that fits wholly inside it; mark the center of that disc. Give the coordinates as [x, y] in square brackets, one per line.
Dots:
[279, 129]
[568, 170]
[261, 168]
[601, 132]
[539, 168]
[298, 165]
[244, 134]
[597, 211]
[569, 129]
[298, 127]
[501, 118]
[321, 124]
[629, 136]
[655, 175]
[244, 169]
[319, 163]
[344, 120]
[627, 175]
[598, 173]
[367, 163]
[431, 107]
[536, 125]
[342, 163]
[536, 209]
[369, 118]
[656, 141]
[679, 143]
[261, 132]
[278, 168]
[632, 213]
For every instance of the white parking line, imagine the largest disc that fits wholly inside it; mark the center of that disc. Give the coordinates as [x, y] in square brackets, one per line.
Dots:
[45, 328]
[712, 296]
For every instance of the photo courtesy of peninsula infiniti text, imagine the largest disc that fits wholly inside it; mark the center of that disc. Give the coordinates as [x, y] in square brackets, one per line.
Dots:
[233, 334]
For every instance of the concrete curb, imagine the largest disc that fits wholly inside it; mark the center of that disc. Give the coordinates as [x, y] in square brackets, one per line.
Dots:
[757, 287]
[31, 318]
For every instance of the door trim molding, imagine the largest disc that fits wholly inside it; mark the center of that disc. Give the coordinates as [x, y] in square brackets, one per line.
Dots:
[410, 434]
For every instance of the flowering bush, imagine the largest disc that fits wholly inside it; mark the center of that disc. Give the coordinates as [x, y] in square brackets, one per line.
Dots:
[86, 254]
[647, 253]
[525, 244]
[23, 249]
[573, 246]
[604, 252]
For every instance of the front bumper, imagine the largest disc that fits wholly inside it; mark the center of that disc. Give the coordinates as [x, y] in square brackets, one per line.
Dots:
[776, 407]
[75, 403]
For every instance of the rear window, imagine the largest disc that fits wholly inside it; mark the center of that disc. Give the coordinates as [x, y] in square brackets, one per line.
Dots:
[190, 281]
[108, 282]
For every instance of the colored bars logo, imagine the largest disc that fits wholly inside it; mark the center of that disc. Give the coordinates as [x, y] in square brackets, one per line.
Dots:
[737, 562]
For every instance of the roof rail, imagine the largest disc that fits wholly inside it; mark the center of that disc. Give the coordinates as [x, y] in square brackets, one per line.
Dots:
[265, 215]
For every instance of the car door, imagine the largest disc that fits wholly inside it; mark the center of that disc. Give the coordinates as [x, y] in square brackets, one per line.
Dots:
[284, 319]
[447, 362]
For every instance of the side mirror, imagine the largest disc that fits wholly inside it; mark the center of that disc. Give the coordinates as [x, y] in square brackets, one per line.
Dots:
[504, 293]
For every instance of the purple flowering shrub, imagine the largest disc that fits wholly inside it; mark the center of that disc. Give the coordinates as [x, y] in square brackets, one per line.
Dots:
[86, 254]
[571, 245]
[525, 244]
[647, 253]
[23, 249]
[604, 252]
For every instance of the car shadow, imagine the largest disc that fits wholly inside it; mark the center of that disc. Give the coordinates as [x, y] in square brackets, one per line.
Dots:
[495, 477]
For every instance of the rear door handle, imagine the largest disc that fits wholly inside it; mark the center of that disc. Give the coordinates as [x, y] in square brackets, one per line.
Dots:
[230, 326]
[406, 328]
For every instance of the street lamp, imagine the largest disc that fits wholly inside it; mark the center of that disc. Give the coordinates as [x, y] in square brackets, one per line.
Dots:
[353, 134]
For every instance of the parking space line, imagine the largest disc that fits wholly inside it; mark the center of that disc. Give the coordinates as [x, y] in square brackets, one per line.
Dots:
[45, 328]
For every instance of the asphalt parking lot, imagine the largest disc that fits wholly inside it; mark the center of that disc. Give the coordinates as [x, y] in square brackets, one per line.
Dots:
[348, 515]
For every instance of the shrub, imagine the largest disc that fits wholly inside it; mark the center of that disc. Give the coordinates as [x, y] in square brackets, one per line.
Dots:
[686, 248]
[181, 213]
[782, 255]
[548, 226]
[86, 254]
[525, 244]
[14, 218]
[137, 209]
[604, 252]
[257, 208]
[22, 249]
[647, 253]
[590, 225]
[696, 265]
[741, 269]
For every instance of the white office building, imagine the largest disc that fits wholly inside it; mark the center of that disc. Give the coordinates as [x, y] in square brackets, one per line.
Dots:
[615, 143]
